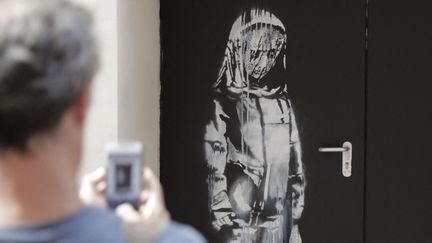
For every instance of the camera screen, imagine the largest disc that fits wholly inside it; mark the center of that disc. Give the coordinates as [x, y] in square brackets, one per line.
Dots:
[123, 177]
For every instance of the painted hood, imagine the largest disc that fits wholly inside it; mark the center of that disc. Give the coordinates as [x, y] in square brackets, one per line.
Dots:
[255, 51]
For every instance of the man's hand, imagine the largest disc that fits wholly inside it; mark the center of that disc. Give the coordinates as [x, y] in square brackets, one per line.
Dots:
[93, 188]
[152, 217]
[152, 205]
[144, 225]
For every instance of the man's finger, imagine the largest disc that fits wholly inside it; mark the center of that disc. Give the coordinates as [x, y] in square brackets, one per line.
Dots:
[98, 176]
[145, 196]
[101, 187]
[151, 183]
[127, 213]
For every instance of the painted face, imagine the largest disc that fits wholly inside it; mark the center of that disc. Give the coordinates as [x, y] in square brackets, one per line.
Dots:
[261, 48]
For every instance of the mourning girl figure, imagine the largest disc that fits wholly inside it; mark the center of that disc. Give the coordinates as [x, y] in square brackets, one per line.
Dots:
[256, 174]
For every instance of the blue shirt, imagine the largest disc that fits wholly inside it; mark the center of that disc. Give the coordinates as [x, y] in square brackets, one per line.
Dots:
[91, 225]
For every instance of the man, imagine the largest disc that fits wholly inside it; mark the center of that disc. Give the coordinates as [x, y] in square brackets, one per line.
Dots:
[47, 59]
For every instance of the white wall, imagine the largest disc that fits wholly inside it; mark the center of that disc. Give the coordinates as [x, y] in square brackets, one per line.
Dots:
[138, 68]
[126, 91]
[102, 122]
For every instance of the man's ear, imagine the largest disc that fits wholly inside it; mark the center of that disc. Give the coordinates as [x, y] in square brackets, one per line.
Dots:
[82, 103]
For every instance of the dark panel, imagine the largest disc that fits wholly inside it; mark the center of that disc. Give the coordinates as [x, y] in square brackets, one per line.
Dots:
[399, 184]
[326, 84]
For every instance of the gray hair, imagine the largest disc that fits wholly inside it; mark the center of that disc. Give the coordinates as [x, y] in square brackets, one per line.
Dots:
[47, 54]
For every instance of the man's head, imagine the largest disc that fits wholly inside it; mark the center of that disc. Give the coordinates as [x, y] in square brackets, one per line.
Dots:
[47, 58]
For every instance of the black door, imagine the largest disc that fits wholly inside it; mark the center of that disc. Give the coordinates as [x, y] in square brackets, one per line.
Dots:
[399, 163]
[321, 71]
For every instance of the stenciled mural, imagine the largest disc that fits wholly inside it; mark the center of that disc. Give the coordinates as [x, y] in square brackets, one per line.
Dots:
[256, 181]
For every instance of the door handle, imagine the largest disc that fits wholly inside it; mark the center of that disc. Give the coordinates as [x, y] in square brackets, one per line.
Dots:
[346, 151]
[329, 150]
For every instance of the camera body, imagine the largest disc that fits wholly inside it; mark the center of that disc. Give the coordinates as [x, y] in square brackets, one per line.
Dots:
[124, 162]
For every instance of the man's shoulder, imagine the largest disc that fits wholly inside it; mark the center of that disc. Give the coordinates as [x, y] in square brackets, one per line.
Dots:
[99, 224]
[176, 232]
[88, 225]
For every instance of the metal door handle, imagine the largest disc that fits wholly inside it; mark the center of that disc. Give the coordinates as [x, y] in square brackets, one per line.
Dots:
[329, 150]
[346, 151]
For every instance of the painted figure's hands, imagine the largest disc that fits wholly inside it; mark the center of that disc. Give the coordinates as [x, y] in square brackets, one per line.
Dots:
[230, 220]
[226, 220]
[297, 201]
